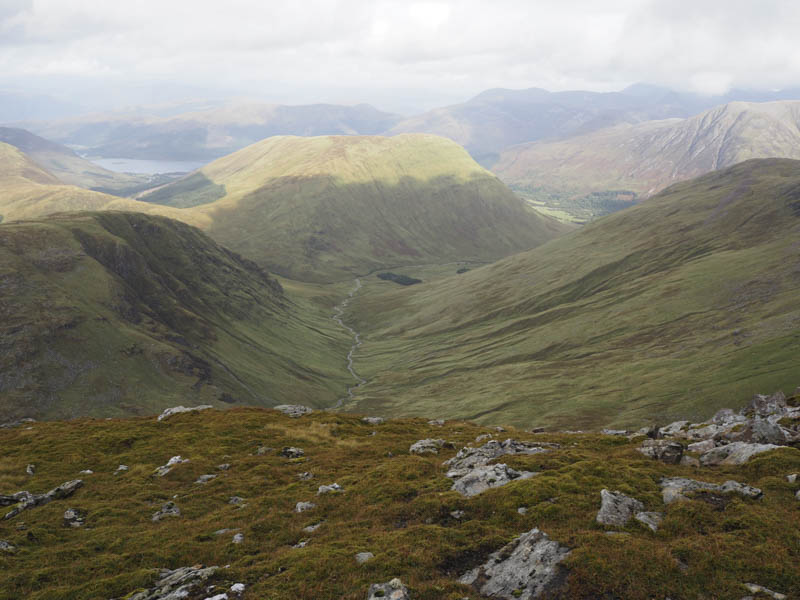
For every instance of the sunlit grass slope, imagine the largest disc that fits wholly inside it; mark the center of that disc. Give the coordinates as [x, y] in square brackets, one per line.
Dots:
[329, 208]
[110, 313]
[659, 311]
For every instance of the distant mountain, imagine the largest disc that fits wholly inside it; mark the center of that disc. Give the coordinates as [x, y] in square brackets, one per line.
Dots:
[70, 168]
[499, 118]
[111, 314]
[208, 134]
[330, 208]
[666, 309]
[640, 160]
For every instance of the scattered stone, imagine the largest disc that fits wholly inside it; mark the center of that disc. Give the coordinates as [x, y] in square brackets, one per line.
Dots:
[791, 478]
[702, 447]
[74, 517]
[164, 469]
[26, 500]
[735, 453]
[238, 588]
[180, 583]
[328, 489]
[616, 509]
[676, 488]
[170, 509]
[457, 514]
[203, 479]
[30, 469]
[436, 422]
[363, 557]
[6, 546]
[305, 476]
[181, 409]
[664, 450]
[373, 420]
[236, 500]
[482, 478]
[294, 410]
[238, 538]
[427, 446]
[121, 469]
[313, 528]
[523, 510]
[302, 543]
[754, 588]
[292, 452]
[651, 519]
[304, 506]
[223, 467]
[614, 431]
[393, 590]
[526, 568]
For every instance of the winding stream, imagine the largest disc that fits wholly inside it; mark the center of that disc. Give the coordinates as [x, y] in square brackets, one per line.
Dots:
[338, 313]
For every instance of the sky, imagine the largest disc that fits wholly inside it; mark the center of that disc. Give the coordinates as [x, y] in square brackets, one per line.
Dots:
[398, 55]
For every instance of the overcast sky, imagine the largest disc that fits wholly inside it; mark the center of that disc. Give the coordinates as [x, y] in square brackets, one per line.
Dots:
[399, 55]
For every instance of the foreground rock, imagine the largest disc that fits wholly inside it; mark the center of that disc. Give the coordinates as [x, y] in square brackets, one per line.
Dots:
[482, 478]
[526, 568]
[469, 458]
[735, 453]
[294, 410]
[182, 409]
[427, 446]
[172, 585]
[616, 509]
[676, 488]
[26, 500]
[392, 590]
[664, 450]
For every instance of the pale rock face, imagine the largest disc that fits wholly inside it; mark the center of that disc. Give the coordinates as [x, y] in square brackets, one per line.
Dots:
[181, 409]
[526, 568]
[674, 488]
[480, 479]
[616, 509]
[164, 469]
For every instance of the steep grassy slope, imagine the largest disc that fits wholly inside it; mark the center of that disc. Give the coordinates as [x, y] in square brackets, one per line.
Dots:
[657, 311]
[394, 504]
[211, 133]
[107, 314]
[329, 208]
[645, 158]
[71, 169]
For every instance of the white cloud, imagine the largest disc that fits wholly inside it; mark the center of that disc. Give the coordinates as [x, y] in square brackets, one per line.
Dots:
[409, 52]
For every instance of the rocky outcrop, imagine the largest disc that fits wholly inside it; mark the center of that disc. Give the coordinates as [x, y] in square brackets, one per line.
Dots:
[292, 452]
[735, 453]
[170, 509]
[426, 446]
[526, 568]
[294, 410]
[616, 509]
[469, 458]
[164, 469]
[333, 488]
[181, 409]
[485, 477]
[664, 450]
[181, 583]
[392, 590]
[676, 488]
[26, 500]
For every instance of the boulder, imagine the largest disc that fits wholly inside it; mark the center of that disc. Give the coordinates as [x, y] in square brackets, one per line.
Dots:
[651, 519]
[664, 450]
[26, 500]
[766, 406]
[304, 506]
[482, 478]
[614, 431]
[170, 509]
[203, 479]
[363, 557]
[673, 429]
[238, 588]
[701, 447]
[236, 500]
[329, 489]
[436, 422]
[180, 583]
[791, 478]
[166, 468]
[313, 528]
[223, 467]
[392, 590]
[74, 517]
[305, 476]
[30, 469]
[426, 446]
[6, 546]
[292, 452]
[121, 469]
[181, 409]
[294, 410]
[468, 458]
[764, 432]
[616, 509]
[237, 538]
[675, 488]
[735, 453]
[374, 420]
[526, 568]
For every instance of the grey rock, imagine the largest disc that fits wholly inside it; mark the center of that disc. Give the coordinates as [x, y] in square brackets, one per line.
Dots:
[302, 543]
[223, 467]
[701, 447]
[17, 423]
[499, 429]
[304, 506]
[238, 588]
[363, 557]
[482, 478]
[219, 532]
[791, 478]
[238, 538]
[6, 546]
[170, 509]
[675, 488]
[483, 436]
[181, 409]
[30, 469]
[262, 450]
[121, 469]
[616, 509]
[651, 519]
[373, 420]
[673, 429]
[760, 589]
[468, 458]
[313, 528]
[614, 431]
[292, 452]
[526, 568]
[392, 590]
[764, 432]
[436, 422]
[426, 446]
[457, 514]
[523, 510]
[177, 584]
[294, 410]
[74, 517]
[236, 500]
[765, 406]
[203, 479]
[666, 451]
[735, 453]
[86, 472]
[329, 489]
[305, 476]
[166, 468]
[25, 500]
